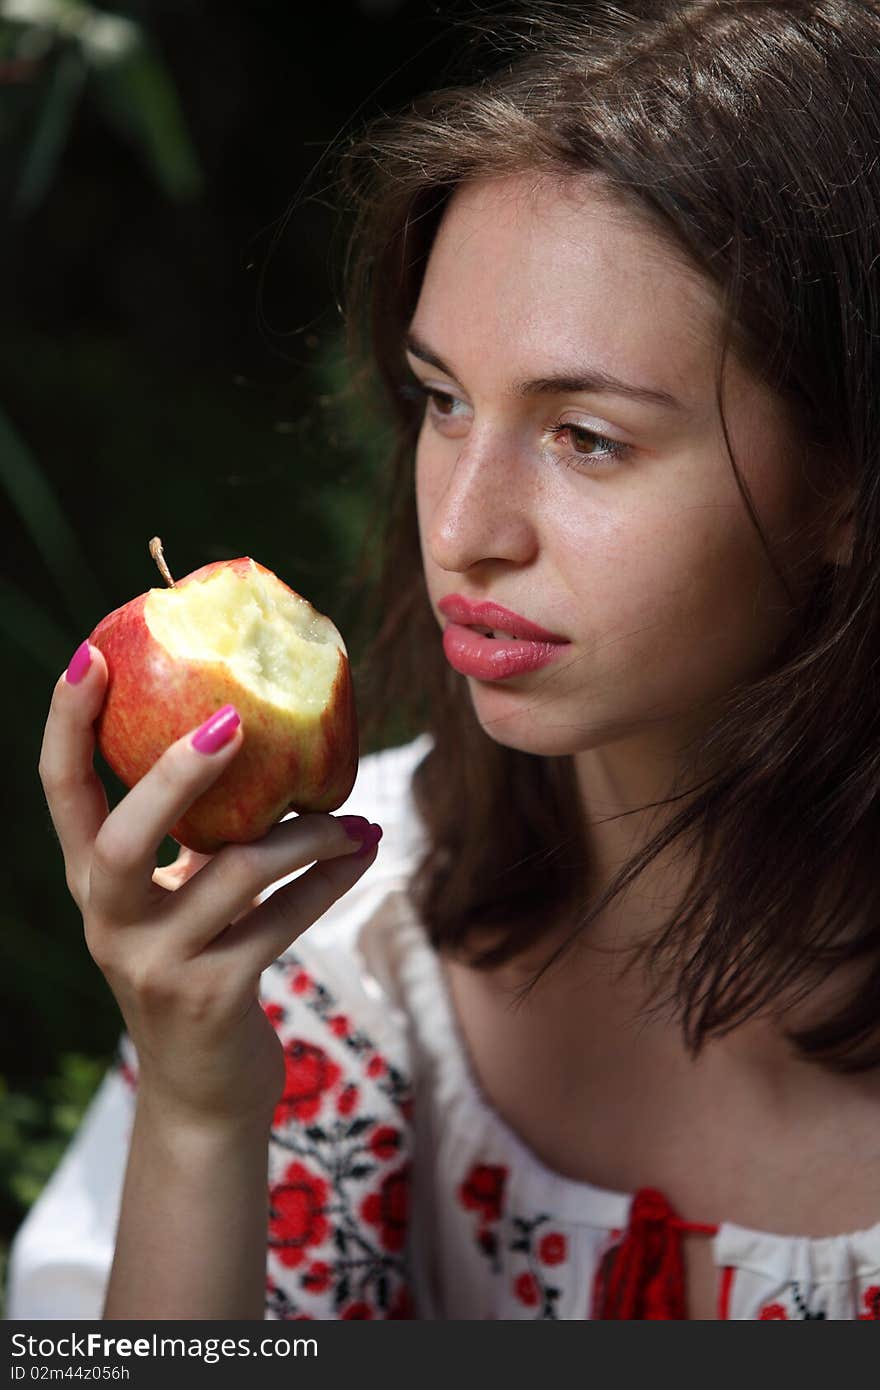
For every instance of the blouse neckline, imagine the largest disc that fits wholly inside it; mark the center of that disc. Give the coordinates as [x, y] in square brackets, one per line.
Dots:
[571, 1197]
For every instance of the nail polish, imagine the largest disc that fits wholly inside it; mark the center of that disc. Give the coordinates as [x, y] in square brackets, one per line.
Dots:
[216, 731]
[356, 827]
[374, 835]
[79, 664]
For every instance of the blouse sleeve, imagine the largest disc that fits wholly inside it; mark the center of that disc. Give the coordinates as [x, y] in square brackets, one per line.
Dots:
[340, 1147]
[60, 1259]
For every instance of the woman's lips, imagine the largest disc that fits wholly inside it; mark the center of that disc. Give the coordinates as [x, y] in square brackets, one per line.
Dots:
[495, 658]
[494, 616]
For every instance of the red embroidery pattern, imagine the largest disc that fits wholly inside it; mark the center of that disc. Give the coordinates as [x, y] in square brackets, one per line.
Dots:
[771, 1311]
[339, 1209]
[533, 1287]
[527, 1290]
[296, 1219]
[872, 1305]
[482, 1191]
[310, 1073]
[804, 1313]
[553, 1249]
[358, 1046]
[388, 1208]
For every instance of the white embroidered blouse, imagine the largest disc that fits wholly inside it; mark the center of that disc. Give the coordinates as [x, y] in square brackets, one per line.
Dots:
[396, 1191]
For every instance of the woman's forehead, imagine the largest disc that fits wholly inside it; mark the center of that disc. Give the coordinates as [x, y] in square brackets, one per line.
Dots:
[562, 230]
[517, 268]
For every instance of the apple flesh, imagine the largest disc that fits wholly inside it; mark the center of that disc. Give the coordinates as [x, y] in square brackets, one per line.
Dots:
[231, 633]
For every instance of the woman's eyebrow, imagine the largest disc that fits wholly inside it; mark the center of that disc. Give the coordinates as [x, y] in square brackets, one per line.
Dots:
[590, 379]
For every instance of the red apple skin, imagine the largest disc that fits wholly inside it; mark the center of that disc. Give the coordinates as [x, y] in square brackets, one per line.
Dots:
[153, 699]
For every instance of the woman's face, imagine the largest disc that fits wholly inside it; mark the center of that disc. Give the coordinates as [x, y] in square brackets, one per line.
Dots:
[646, 560]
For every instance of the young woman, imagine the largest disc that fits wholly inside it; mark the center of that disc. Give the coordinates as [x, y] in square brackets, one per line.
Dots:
[596, 1033]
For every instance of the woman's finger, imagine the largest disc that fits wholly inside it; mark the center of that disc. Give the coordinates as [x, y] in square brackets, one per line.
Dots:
[74, 792]
[121, 883]
[225, 889]
[262, 935]
[187, 863]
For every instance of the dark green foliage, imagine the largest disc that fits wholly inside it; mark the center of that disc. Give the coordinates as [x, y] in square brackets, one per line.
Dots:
[144, 391]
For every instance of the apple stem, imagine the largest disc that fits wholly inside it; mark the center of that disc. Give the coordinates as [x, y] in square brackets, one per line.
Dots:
[159, 556]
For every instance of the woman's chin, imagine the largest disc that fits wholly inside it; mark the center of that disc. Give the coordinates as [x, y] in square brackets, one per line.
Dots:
[523, 731]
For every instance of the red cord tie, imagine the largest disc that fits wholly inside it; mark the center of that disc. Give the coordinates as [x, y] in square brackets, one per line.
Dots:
[643, 1276]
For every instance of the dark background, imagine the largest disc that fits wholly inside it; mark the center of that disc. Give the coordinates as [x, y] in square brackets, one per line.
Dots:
[167, 343]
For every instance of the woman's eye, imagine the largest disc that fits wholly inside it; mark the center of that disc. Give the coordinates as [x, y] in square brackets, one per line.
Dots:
[442, 404]
[612, 448]
[438, 401]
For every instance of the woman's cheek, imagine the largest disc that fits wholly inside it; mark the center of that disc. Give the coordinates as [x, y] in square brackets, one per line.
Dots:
[668, 596]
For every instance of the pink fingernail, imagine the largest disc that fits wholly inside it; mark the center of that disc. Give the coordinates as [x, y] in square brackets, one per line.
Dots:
[374, 835]
[356, 827]
[79, 664]
[216, 731]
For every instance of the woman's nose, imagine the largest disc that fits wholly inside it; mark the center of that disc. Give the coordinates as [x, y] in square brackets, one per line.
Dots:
[476, 504]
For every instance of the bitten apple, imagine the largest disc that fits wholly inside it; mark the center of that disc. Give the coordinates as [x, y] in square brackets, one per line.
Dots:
[231, 633]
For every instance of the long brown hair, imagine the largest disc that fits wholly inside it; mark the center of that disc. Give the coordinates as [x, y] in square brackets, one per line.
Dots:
[747, 133]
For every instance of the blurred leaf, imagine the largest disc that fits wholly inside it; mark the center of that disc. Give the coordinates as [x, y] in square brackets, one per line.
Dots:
[43, 517]
[139, 99]
[47, 142]
[35, 1129]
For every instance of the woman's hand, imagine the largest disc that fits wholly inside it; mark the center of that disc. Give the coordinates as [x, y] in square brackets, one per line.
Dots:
[183, 947]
